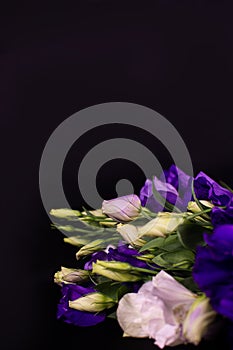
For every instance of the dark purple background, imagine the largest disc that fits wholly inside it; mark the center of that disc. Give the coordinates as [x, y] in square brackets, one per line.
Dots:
[172, 56]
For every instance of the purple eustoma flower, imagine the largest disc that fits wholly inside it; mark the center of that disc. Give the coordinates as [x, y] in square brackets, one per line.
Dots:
[147, 198]
[125, 254]
[174, 186]
[208, 189]
[220, 216]
[122, 253]
[75, 317]
[213, 269]
[101, 255]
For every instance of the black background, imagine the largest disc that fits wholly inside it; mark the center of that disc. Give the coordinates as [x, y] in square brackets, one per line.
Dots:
[172, 56]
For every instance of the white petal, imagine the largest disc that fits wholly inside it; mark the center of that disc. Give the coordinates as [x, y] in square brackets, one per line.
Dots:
[171, 291]
[129, 315]
[168, 335]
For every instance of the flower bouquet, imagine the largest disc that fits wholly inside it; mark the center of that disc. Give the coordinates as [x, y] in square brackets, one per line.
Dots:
[160, 262]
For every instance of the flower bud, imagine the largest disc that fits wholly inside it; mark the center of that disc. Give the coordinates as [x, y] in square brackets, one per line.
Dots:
[164, 224]
[65, 213]
[93, 302]
[130, 234]
[76, 240]
[90, 248]
[198, 320]
[122, 209]
[161, 226]
[67, 275]
[194, 208]
[116, 270]
[97, 212]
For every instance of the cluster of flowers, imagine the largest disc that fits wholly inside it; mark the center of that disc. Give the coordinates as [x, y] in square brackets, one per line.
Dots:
[160, 263]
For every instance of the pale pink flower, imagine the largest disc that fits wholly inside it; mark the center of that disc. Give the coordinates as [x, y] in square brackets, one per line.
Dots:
[157, 311]
[122, 209]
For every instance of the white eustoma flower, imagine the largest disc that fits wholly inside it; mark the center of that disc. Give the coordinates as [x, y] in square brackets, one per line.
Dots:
[122, 209]
[134, 314]
[157, 311]
[171, 291]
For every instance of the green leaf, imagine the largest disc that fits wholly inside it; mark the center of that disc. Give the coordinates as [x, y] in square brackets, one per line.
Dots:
[181, 258]
[154, 243]
[171, 243]
[191, 235]
[113, 290]
[112, 315]
[122, 291]
[158, 259]
[223, 184]
[189, 283]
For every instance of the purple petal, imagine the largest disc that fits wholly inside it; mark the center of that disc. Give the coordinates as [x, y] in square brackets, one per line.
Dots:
[177, 178]
[213, 269]
[101, 255]
[221, 240]
[208, 189]
[78, 318]
[221, 216]
[174, 186]
[147, 198]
